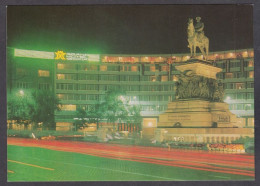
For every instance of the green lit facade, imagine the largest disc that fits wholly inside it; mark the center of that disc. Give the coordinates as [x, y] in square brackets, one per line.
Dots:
[147, 80]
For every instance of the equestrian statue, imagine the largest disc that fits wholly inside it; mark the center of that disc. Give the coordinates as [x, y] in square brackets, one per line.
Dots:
[196, 38]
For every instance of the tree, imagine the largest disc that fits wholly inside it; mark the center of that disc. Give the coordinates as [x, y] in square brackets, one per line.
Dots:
[86, 117]
[81, 121]
[19, 107]
[135, 115]
[115, 107]
[44, 107]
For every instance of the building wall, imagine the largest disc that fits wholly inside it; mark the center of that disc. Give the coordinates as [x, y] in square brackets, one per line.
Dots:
[148, 80]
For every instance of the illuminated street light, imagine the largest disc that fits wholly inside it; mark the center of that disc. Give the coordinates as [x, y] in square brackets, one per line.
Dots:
[227, 99]
[21, 92]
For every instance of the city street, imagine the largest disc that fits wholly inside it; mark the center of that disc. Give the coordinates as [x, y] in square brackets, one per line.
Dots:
[185, 164]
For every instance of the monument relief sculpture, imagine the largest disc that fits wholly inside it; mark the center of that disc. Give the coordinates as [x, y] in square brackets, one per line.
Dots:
[196, 86]
[196, 38]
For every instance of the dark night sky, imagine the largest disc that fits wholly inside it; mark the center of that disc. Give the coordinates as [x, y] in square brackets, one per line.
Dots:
[126, 29]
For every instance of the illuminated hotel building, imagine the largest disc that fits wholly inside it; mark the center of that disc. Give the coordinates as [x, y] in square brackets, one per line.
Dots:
[81, 80]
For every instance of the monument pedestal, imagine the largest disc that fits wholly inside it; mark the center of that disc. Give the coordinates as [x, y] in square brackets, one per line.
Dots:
[197, 113]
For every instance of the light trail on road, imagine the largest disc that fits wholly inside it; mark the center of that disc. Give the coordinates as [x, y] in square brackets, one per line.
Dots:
[239, 164]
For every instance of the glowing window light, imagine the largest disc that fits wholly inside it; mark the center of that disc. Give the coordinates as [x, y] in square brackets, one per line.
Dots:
[60, 76]
[33, 54]
[43, 73]
[68, 107]
[150, 124]
[245, 54]
[250, 64]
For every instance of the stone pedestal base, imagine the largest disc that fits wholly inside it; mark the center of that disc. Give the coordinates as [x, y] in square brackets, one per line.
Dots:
[202, 135]
[197, 113]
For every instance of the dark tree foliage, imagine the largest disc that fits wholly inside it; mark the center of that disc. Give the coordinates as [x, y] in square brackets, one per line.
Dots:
[45, 105]
[20, 107]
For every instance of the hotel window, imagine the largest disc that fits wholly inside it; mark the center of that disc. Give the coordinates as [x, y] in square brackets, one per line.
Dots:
[103, 68]
[43, 73]
[241, 96]
[91, 87]
[103, 87]
[90, 67]
[43, 86]
[66, 66]
[240, 85]
[164, 78]
[229, 75]
[82, 87]
[235, 64]
[92, 97]
[239, 107]
[125, 68]
[82, 76]
[250, 85]
[111, 68]
[68, 107]
[251, 74]
[71, 76]
[22, 85]
[82, 97]
[239, 75]
[60, 66]
[92, 77]
[153, 98]
[133, 78]
[249, 106]
[152, 68]
[21, 72]
[113, 78]
[153, 78]
[147, 68]
[250, 63]
[165, 68]
[165, 98]
[60, 76]
[60, 96]
[250, 95]
[229, 85]
[134, 68]
[145, 78]
[65, 86]
[134, 88]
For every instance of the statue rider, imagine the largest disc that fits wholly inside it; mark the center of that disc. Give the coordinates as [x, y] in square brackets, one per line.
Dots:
[199, 26]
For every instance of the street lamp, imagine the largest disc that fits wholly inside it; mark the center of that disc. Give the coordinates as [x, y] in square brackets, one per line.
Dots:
[21, 92]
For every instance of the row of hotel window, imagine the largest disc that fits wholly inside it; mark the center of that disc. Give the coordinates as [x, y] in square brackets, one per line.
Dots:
[234, 63]
[231, 75]
[241, 95]
[123, 68]
[93, 107]
[95, 97]
[240, 106]
[70, 86]
[239, 85]
[27, 85]
[94, 77]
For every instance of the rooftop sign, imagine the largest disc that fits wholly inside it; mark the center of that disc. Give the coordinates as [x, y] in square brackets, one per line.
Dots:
[59, 55]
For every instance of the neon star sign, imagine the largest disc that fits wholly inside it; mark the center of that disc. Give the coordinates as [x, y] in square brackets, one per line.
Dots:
[60, 55]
